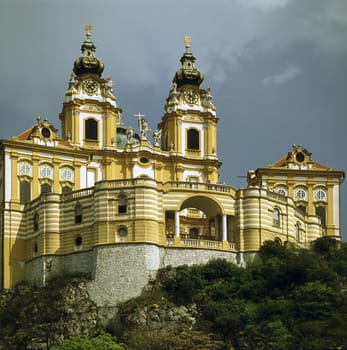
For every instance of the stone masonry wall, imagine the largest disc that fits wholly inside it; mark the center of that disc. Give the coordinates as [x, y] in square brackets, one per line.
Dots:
[119, 272]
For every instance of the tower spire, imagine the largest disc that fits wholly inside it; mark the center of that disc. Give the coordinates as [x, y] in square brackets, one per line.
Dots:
[88, 62]
[188, 74]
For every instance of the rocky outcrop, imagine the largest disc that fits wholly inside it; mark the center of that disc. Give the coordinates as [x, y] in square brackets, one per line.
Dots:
[40, 318]
[155, 315]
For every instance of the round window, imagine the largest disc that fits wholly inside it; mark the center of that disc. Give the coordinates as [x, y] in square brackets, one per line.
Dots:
[300, 157]
[300, 194]
[144, 160]
[78, 241]
[281, 191]
[122, 231]
[45, 132]
[320, 195]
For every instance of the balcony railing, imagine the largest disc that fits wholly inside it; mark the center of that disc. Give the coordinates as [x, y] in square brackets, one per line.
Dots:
[277, 196]
[78, 194]
[199, 243]
[199, 186]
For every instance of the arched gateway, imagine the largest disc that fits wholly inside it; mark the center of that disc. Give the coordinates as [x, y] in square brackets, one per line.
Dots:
[199, 217]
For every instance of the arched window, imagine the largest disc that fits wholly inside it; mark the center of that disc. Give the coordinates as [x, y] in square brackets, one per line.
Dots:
[78, 214]
[66, 189]
[91, 129]
[193, 232]
[193, 139]
[276, 217]
[36, 222]
[122, 204]
[321, 212]
[297, 232]
[46, 188]
[25, 192]
[302, 209]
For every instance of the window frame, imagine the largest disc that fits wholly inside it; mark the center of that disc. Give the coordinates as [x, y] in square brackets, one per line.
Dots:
[276, 217]
[91, 129]
[78, 213]
[193, 139]
[122, 207]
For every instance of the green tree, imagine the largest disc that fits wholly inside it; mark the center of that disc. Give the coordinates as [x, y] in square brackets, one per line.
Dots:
[104, 341]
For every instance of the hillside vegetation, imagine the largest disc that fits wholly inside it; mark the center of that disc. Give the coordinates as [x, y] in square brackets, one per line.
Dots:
[286, 299]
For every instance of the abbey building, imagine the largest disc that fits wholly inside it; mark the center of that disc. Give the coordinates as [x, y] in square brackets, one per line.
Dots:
[105, 196]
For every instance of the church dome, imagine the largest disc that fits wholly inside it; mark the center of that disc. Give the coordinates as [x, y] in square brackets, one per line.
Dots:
[122, 137]
[188, 74]
[88, 62]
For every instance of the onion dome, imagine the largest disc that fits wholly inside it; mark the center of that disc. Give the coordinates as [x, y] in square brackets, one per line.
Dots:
[188, 74]
[88, 62]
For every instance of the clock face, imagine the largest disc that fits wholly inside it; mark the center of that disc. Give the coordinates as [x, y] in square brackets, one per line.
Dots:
[90, 87]
[191, 97]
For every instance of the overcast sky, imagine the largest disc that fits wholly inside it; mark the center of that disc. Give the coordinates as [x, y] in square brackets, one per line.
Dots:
[277, 69]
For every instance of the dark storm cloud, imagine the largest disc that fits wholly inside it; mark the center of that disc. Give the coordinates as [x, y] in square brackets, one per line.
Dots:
[277, 68]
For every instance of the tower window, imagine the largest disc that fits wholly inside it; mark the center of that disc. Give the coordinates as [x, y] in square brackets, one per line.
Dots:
[78, 214]
[193, 139]
[91, 129]
[25, 192]
[122, 204]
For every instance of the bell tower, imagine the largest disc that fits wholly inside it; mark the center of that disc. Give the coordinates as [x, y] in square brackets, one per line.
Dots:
[189, 124]
[90, 112]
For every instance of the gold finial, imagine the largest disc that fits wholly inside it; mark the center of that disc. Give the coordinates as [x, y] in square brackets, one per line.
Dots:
[88, 28]
[187, 41]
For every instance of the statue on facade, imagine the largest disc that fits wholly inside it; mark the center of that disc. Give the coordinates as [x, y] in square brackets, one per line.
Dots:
[144, 129]
[109, 86]
[130, 134]
[156, 138]
[253, 179]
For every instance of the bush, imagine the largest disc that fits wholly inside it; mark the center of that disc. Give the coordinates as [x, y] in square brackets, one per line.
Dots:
[102, 342]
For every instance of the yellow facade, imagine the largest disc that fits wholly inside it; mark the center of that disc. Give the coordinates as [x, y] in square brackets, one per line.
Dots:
[102, 183]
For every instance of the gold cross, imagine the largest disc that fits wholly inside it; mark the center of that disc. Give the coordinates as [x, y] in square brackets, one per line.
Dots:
[88, 28]
[187, 39]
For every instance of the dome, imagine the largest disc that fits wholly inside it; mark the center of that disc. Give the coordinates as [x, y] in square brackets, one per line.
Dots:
[88, 62]
[122, 140]
[188, 74]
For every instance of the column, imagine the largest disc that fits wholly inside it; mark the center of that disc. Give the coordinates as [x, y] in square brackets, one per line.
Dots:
[216, 225]
[224, 227]
[177, 223]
